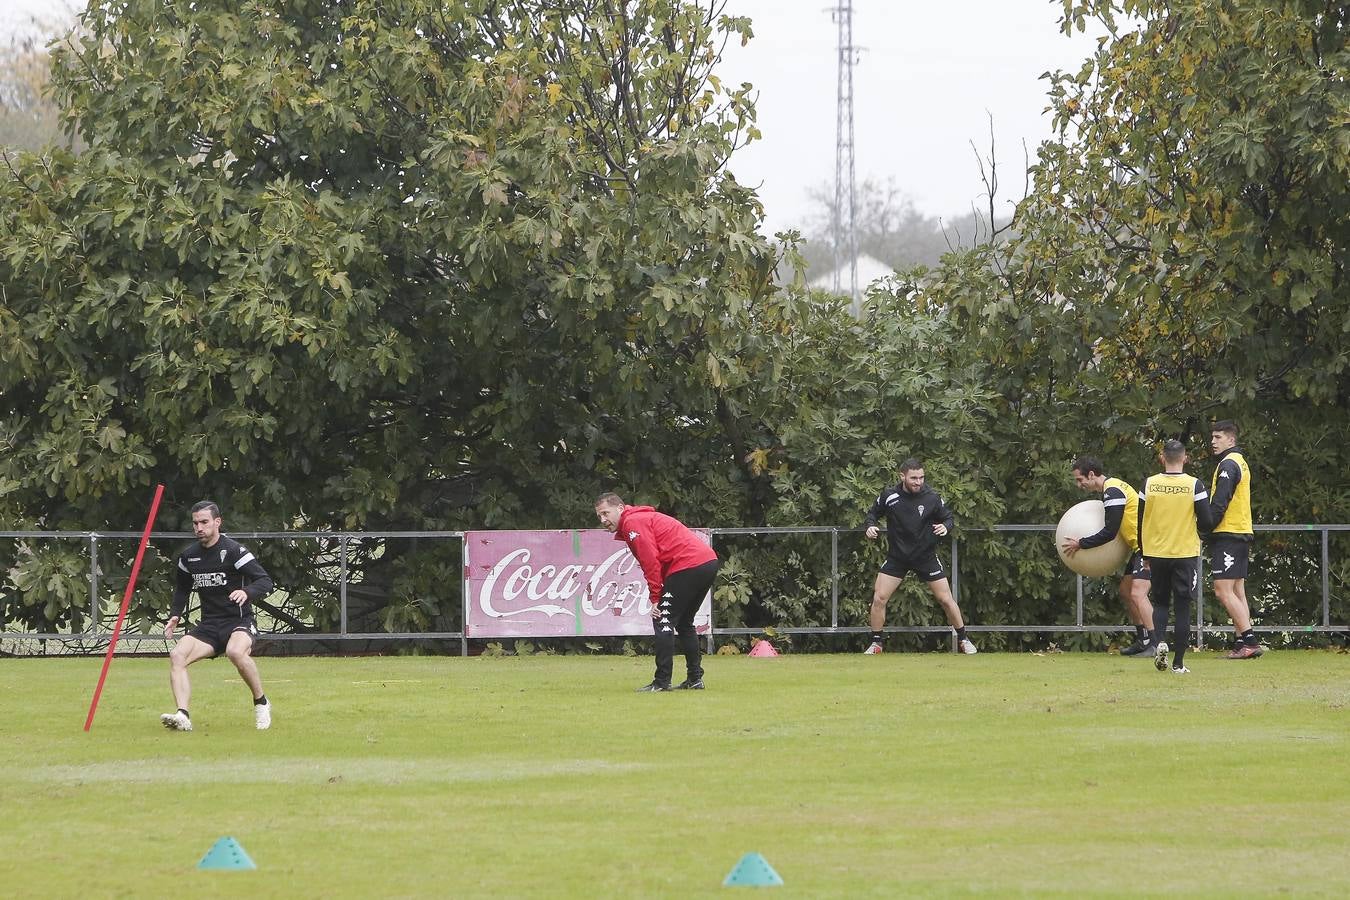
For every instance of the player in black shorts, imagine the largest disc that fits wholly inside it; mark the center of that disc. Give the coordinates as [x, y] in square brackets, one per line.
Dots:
[1230, 544]
[915, 518]
[227, 579]
[1121, 504]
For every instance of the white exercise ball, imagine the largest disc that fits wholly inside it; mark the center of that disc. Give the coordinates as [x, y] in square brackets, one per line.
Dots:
[1084, 519]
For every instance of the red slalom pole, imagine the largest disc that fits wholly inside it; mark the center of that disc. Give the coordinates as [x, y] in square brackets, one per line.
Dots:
[126, 601]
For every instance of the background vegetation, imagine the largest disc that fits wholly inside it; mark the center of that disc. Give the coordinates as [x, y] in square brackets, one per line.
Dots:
[365, 265]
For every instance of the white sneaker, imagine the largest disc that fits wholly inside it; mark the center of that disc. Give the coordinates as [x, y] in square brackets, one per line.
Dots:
[1160, 656]
[262, 715]
[872, 650]
[966, 647]
[1180, 670]
[176, 721]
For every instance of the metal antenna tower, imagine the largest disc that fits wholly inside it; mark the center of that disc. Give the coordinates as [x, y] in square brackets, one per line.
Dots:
[845, 221]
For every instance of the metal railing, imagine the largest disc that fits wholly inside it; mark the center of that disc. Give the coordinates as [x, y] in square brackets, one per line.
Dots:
[344, 541]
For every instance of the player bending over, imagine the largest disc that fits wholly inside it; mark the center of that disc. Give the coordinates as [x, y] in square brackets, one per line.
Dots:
[1122, 517]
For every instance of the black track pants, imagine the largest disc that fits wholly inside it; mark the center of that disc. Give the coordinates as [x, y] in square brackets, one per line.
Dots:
[1179, 580]
[673, 621]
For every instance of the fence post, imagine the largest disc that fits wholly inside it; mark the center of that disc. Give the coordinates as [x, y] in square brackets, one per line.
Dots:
[342, 585]
[1078, 617]
[464, 595]
[956, 572]
[93, 583]
[834, 577]
[1200, 605]
[1326, 581]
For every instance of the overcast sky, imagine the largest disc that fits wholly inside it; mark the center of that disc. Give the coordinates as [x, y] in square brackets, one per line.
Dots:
[929, 79]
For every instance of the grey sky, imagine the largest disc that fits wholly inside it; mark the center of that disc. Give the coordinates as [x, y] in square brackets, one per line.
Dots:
[925, 86]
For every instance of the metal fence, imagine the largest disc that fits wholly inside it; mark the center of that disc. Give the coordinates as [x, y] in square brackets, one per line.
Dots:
[339, 545]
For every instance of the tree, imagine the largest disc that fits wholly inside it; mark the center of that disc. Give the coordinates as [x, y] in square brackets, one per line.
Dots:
[1181, 257]
[890, 229]
[370, 264]
[29, 120]
[1196, 210]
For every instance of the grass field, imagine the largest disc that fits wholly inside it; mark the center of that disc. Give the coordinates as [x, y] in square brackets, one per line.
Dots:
[854, 776]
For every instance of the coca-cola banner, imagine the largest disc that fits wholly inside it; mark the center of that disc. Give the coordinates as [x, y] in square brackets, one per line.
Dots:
[557, 584]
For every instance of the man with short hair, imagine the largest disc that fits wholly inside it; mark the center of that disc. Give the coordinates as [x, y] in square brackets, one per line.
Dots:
[1122, 518]
[1173, 510]
[1230, 544]
[228, 580]
[915, 518]
[679, 568]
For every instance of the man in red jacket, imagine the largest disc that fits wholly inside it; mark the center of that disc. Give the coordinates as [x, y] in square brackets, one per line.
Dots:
[679, 568]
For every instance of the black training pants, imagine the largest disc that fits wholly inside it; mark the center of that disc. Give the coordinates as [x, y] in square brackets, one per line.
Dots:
[673, 617]
[1179, 579]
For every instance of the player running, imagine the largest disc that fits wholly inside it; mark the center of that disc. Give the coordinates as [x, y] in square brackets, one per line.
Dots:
[228, 580]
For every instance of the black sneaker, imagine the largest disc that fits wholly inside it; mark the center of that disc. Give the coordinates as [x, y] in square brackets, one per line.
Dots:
[687, 685]
[1135, 649]
[654, 687]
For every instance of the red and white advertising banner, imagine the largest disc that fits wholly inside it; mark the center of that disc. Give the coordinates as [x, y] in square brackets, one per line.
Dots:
[558, 584]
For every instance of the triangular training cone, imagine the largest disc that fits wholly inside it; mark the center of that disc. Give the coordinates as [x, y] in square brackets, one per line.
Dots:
[226, 854]
[762, 648]
[752, 871]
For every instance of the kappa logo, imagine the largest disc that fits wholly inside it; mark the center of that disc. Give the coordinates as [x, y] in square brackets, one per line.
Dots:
[1223, 474]
[632, 535]
[1228, 561]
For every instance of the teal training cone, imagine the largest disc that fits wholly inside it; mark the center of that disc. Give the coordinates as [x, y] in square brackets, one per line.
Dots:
[752, 871]
[226, 854]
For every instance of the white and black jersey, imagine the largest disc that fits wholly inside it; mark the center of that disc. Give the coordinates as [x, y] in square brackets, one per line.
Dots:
[214, 573]
[910, 519]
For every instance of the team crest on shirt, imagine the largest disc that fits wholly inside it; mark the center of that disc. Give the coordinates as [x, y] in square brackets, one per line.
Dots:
[223, 551]
[920, 510]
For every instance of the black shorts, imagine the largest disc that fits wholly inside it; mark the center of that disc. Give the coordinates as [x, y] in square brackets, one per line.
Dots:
[1134, 568]
[1228, 557]
[926, 567]
[1175, 579]
[217, 632]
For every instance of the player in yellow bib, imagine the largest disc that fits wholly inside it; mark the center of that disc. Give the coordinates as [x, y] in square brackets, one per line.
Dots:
[1122, 518]
[1173, 510]
[1230, 545]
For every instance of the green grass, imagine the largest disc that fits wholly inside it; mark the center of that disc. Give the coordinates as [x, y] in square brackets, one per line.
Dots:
[547, 777]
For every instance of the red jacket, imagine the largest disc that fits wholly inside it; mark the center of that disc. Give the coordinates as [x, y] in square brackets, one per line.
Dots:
[661, 544]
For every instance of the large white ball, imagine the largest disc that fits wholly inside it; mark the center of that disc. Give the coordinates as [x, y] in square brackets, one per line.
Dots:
[1084, 519]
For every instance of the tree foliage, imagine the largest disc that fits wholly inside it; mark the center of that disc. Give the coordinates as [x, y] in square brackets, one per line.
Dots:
[29, 118]
[372, 264]
[890, 228]
[408, 264]
[1181, 257]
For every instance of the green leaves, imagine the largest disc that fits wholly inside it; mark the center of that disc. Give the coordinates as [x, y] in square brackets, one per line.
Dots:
[380, 265]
